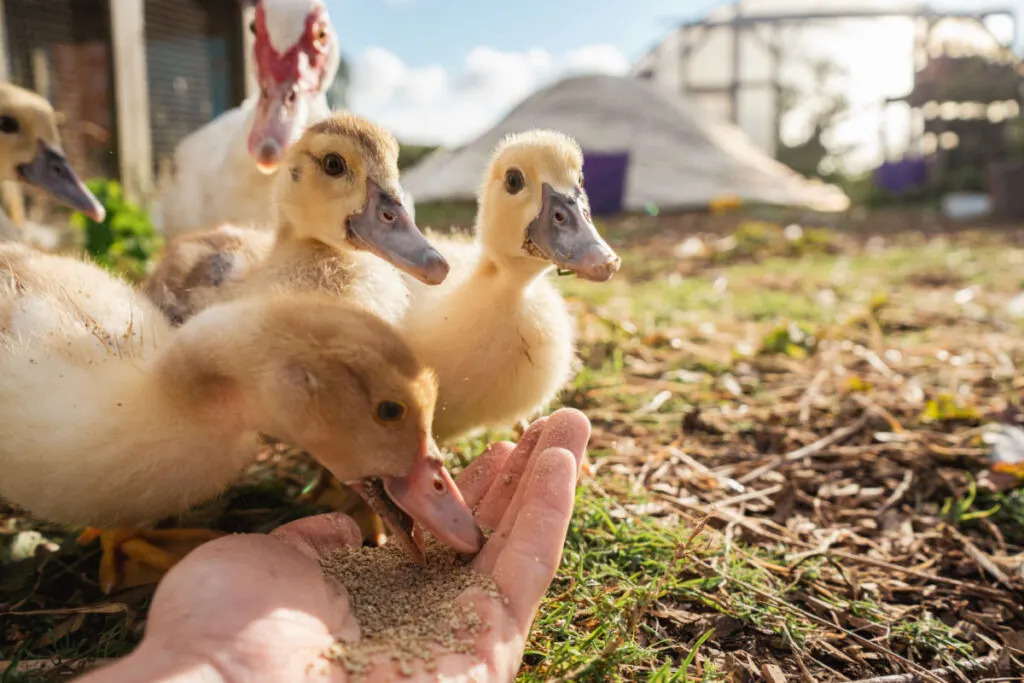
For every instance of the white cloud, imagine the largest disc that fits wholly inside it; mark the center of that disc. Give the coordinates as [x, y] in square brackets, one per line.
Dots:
[597, 58]
[430, 105]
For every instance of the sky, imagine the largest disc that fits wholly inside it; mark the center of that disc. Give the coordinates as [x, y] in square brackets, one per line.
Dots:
[443, 71]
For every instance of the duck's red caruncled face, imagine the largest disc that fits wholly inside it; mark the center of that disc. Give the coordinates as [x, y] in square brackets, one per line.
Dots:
[288, 82]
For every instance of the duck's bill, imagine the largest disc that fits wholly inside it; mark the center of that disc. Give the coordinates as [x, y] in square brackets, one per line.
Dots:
[281, 113]
[424, 499]
[384, 228]
[51, 172]
[403, 530]
[564, 235]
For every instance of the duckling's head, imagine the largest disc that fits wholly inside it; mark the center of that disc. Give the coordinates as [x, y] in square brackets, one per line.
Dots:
[30, 150]
[342, 384]
[533, 206]
[340, 186]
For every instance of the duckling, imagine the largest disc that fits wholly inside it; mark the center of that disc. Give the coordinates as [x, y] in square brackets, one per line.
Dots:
[341, 228]
[31, 153]
[112, 418]
[497, 309]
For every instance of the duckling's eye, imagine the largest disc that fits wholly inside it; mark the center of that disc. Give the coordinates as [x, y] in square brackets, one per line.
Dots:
[9, 124]
[333, 165]
[514, 181]
[252, 27]
[391, 411]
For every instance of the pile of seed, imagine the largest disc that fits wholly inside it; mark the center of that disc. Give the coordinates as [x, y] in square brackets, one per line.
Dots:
[406, 611]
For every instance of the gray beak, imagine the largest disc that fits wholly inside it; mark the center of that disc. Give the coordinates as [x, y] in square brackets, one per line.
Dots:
[50, 171]
[384, 228]
[567, 237]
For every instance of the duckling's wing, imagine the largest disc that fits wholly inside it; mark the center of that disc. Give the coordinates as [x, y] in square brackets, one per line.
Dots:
[196, 268]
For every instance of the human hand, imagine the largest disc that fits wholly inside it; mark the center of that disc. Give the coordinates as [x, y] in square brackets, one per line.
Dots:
[259, 608]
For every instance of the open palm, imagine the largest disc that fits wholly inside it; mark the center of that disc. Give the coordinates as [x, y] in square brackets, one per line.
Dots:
[259, 608]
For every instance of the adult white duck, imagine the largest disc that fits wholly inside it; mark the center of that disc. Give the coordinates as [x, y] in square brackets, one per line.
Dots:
[223, 172]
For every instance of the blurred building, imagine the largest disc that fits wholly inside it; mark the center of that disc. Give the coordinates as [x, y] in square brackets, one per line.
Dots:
[965, 105]
[644, 150]
[130, 77]
[736, 62]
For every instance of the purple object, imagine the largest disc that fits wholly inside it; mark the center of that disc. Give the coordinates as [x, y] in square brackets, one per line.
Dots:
[900, 176]
[605, 181]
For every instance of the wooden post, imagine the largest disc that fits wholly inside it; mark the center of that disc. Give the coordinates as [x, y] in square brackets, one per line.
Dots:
[12, 198]
[883, 134]
[5, 73]
[134, 143]
[248, 63]
[776, 57]
[734, 86]
[682, 57]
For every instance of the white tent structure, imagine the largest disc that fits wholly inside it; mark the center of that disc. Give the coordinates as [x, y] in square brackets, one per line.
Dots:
[676, 157]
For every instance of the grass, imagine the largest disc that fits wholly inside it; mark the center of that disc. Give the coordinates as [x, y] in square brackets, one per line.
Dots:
[697, 552]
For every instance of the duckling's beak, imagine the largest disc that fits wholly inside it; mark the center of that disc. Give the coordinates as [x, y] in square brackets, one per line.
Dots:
[429, 495]
[565, 235]
[51, 172]
[385, 228]
[281, 113]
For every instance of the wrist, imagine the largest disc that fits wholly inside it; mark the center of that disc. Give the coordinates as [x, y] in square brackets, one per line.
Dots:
[152, 663]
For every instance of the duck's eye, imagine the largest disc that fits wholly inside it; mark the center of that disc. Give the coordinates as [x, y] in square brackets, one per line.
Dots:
[391, 411]
[252, 27]
[9, 124]
[333, 165]
[514, 181]
[321, 35]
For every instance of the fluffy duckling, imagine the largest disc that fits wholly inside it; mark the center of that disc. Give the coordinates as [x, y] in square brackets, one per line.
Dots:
[497, 332]
[340, 227]
[31, 153]
[112, 418]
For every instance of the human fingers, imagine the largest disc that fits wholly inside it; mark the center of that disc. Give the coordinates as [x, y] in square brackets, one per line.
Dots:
[476, 479]
[566, 428]
[530, 556]
[493, 504]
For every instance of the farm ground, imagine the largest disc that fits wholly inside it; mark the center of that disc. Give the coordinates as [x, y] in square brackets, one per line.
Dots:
[789, 473]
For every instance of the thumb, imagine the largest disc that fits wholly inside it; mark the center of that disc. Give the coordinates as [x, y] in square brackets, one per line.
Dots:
[317, 537]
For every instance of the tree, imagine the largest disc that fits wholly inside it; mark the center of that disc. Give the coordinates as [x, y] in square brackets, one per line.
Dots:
[825, 105]
[337, 94]
[410, 155]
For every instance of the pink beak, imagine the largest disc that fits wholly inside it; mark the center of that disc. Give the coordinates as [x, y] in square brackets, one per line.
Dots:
[429, 495]
[281, 115]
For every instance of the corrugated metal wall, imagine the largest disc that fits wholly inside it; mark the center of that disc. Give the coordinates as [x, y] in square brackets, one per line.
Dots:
[62, 49]
[195, 68]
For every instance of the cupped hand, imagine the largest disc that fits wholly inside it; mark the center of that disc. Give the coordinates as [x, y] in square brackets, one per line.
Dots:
[258, 607]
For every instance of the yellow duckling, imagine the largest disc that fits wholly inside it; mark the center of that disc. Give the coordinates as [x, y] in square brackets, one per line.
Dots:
[114, 419]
